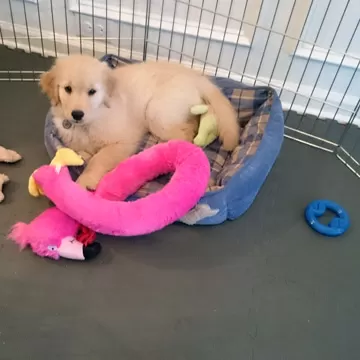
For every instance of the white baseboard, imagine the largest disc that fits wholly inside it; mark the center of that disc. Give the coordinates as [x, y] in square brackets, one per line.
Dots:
[299, 105]
[317, 53]
[165, 23]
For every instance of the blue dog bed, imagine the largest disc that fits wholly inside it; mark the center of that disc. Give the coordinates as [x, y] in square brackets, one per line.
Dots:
[236, 177]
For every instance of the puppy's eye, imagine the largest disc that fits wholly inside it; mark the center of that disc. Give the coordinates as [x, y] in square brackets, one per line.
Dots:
[91, 92]
[68, 89]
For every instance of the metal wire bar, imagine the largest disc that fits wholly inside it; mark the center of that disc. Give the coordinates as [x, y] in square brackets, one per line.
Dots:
[20, 71]
[106, 26]
[80, 31]
[93, 26]
[267, 28]
[307, 143]
[348, 125]
[197, 33]
[238, 38]
[26, 25]
[160, 28]
[324, 62]
[211, 32]
[356, 144]
[14, 33]
[119, 28]
[13, 23]
[282, 41]
[19, 80]
[2, 42]
[66, 27]
[342, 100]
[27, 30]
[328, 142]
[253, 37]
[147, 27]
[347, 165]
[184, 36]
[172, 30]
[335, 77]
[354, 162]
[53, 25]
[309, 58]
[297, 44]
[267, 40]
[349, 156]
[224, 35]
[310, 140]
[350, 152]
[1, 36]
[132, 29]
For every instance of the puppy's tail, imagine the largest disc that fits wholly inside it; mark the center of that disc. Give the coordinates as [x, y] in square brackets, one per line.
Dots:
[228, 127]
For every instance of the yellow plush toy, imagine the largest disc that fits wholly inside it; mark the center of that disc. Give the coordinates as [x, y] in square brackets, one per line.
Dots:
[208, 130]
[63, 157]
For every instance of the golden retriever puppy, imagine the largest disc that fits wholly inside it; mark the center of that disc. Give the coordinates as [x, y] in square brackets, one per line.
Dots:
[103, 113]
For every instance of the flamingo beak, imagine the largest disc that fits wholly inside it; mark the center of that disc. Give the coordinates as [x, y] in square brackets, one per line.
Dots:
[72, 249]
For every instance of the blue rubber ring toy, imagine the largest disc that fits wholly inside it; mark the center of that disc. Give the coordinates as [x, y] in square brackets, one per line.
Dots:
[337, 226]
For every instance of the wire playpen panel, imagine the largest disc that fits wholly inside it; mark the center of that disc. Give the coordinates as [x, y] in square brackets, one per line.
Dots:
[308, 50]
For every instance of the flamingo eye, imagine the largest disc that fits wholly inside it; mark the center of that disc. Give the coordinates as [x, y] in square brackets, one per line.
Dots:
[52, 247]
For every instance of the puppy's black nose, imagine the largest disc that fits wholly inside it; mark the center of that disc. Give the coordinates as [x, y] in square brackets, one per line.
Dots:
[77, 115]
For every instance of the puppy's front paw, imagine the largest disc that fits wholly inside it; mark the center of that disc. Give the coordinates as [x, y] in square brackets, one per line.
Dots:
[85, 156]
[88, 182]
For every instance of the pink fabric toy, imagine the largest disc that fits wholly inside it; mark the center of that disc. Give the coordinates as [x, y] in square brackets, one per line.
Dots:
[53, 233]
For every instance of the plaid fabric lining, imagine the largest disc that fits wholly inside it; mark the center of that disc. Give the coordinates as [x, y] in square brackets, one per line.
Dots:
[253, 107]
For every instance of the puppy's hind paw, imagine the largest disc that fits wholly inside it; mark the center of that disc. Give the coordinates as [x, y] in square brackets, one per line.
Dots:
[12, 156]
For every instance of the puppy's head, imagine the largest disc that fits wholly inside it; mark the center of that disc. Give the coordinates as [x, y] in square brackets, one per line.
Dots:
[77, 85]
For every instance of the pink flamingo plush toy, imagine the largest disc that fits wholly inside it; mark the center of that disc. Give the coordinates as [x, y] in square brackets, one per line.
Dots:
[53, 233]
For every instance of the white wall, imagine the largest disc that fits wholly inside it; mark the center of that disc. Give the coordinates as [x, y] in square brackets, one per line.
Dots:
[226, 7]
[264, 57]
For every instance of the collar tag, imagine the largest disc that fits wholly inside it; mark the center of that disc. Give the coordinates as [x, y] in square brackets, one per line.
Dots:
[66, 124]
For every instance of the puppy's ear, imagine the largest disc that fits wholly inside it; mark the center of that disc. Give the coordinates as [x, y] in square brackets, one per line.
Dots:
[49, 87]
